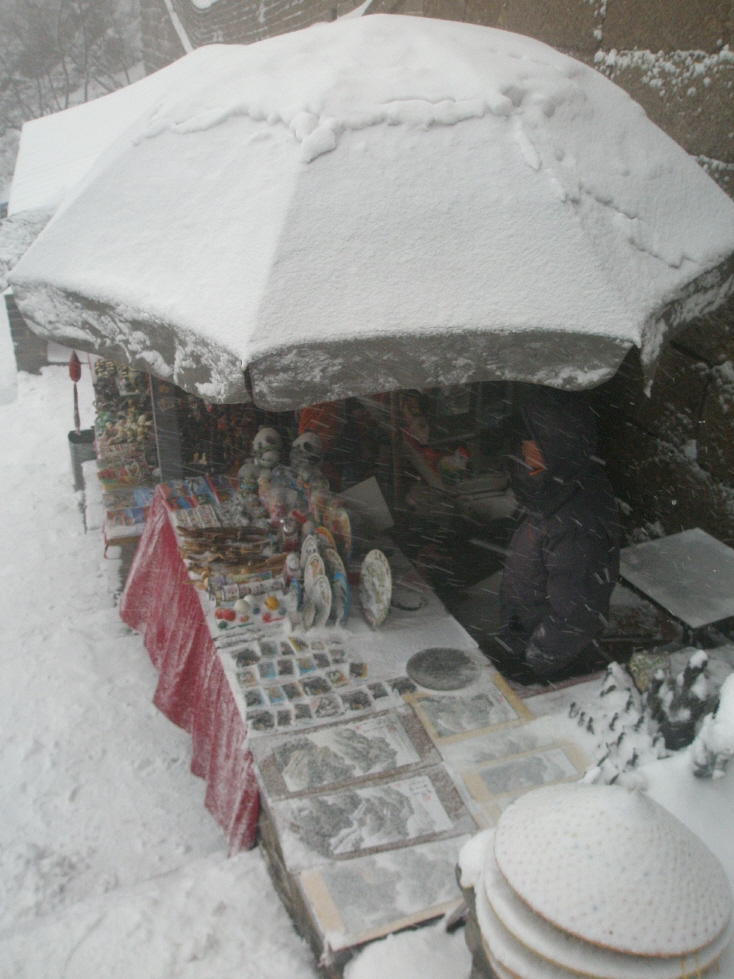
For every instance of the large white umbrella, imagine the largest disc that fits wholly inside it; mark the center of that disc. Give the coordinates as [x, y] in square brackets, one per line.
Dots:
[377, 203]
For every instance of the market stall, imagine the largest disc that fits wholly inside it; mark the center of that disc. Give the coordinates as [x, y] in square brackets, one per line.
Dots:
[324, 673]
[391, 204]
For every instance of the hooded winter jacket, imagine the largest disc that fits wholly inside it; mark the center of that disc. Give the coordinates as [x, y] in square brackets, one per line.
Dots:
[563, 558]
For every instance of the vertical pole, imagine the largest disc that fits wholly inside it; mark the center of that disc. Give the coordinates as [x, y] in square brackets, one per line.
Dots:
[75, 373]
[77, 422]
[397, 456]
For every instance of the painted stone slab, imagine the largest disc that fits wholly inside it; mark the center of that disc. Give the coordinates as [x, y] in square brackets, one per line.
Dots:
[495, 785]
[690, 574]
[367, 818]
[454, 716]
[344, 753]
[356, 901]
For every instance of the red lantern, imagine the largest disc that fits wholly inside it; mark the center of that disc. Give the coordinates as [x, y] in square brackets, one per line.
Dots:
[75, 367]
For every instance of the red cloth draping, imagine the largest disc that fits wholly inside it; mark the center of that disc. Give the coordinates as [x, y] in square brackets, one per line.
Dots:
[160, 602]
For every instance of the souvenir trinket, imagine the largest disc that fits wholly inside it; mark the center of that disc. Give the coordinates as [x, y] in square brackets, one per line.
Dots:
[314, 569]
[338, 522]
[334, 564]
[308, 614]
[324, 539]
[292, 567]
[294, 596]
[227, 614]
[442, 669]
[375, 588]
[308, 548]
[242, 606]
[266, 448]
[307, 452]
[248, 476]
[321, 597]
[340, 598]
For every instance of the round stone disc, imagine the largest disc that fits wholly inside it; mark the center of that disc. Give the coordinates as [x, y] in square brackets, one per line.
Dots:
[442, 669]
[556, 947]
[613, 868]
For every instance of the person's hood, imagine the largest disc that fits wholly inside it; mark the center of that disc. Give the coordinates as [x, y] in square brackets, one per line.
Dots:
[564, 428]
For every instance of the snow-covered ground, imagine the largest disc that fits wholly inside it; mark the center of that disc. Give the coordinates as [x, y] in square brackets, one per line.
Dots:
[109, 863]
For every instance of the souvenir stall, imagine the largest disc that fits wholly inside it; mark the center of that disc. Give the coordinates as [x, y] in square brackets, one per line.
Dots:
[315, 668]
[327, 258]
[337, 710]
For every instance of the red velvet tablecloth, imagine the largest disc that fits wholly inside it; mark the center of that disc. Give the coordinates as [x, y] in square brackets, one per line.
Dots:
[160, 602]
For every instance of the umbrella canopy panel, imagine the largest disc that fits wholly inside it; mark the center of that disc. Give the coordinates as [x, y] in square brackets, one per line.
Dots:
[380, 203]
[57, 150]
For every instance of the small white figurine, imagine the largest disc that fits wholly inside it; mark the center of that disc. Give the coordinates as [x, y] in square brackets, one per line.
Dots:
[248, 476]
[307, 452]
[292, 566]
[266, 448]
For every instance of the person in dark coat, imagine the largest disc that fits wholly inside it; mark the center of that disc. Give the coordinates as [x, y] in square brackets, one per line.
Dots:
[563, 558]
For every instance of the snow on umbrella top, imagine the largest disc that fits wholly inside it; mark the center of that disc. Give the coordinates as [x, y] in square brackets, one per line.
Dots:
[376, 203]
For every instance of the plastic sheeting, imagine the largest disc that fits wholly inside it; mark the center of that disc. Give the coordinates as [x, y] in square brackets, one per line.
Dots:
[160, 602]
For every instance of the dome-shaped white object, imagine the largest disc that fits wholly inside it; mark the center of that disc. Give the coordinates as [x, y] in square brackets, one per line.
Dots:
[521, 925]
[613, 868]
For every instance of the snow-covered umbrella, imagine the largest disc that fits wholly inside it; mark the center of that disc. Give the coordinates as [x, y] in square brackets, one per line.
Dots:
[379, 203]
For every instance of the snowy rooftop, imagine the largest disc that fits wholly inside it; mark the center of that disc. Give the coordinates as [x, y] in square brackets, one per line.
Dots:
[375, 203]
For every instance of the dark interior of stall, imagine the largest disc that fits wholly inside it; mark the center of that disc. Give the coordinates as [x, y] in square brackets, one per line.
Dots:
[438, 457]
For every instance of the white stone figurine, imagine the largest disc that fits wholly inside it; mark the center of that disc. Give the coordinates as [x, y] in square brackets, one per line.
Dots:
[307, 452]
[248, 475]
[266, 448]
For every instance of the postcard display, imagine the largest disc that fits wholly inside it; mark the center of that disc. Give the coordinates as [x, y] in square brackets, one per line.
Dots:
[369, 783]
[125, 448]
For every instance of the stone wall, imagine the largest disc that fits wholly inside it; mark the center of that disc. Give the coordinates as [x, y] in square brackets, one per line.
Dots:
[671, 456]
[672, 56]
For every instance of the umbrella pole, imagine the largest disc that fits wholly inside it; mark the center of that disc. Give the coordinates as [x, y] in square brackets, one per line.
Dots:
[397, 456]
[77, 422]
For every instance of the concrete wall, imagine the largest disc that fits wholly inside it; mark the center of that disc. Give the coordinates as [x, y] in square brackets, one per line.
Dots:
[671, 457]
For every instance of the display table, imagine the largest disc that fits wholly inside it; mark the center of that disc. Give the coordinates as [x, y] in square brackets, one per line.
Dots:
[160, 602]
[371, 774]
